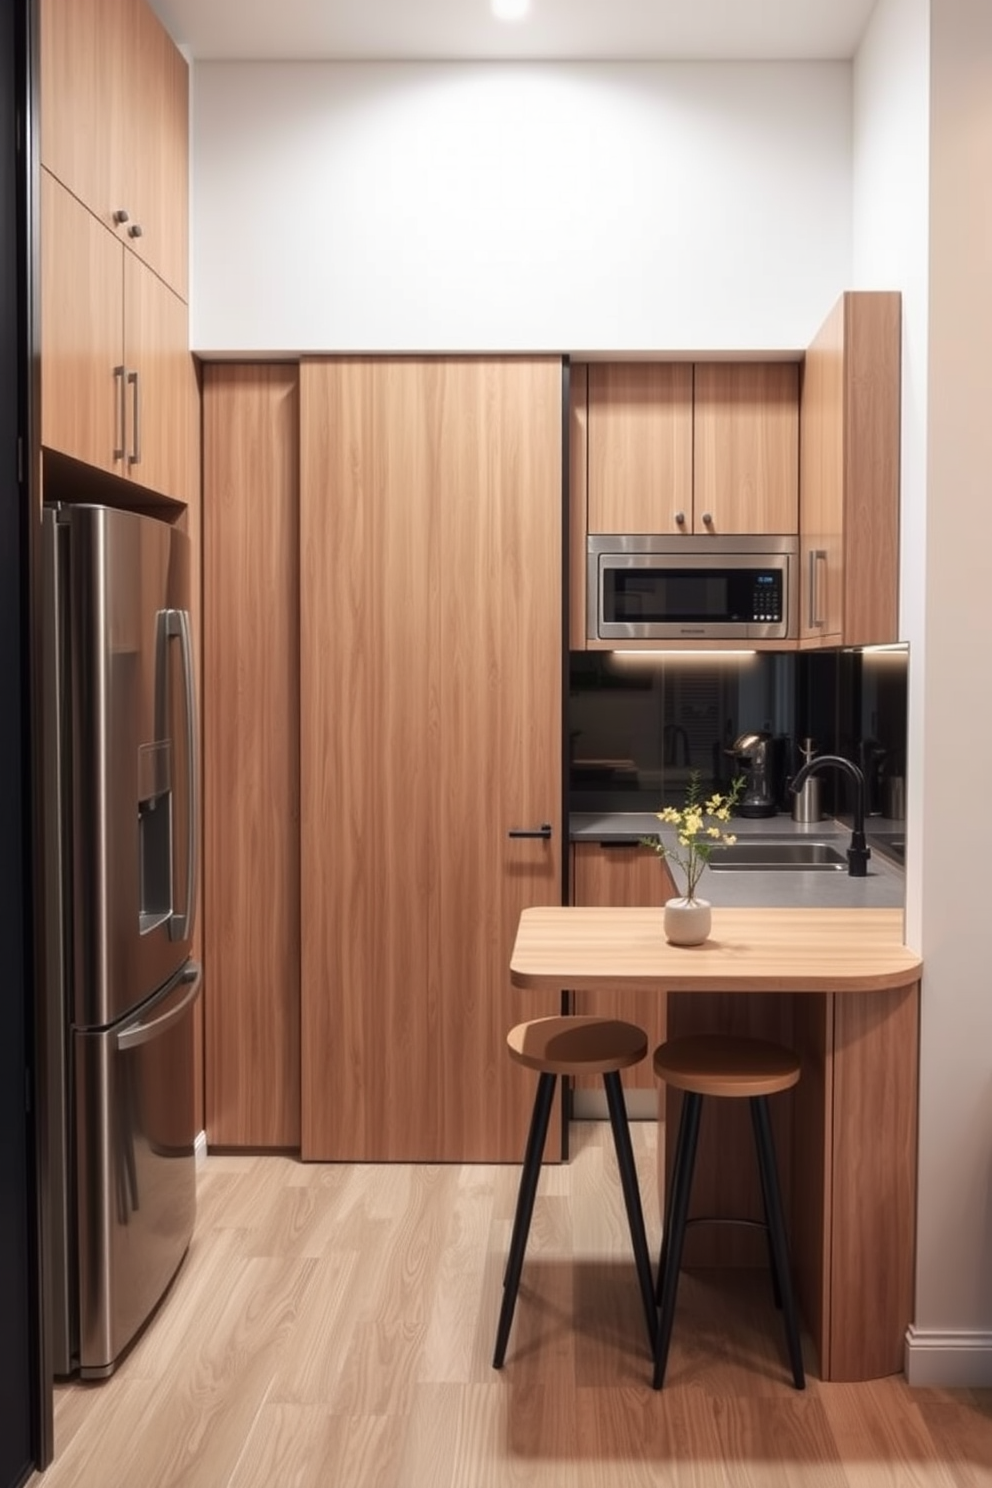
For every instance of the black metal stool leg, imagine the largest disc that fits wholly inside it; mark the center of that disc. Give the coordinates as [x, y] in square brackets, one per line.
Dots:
[776, 1230]
[632, 1197]
[674, 1241]
[525, 1209]
[679, 1157]
[772, 1263]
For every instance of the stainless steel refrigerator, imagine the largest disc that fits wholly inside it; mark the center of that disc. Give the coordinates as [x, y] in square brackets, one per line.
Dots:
[120, 851]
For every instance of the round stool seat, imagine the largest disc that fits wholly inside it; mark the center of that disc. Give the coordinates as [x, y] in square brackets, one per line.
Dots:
[574, 1045]
[719, 1064]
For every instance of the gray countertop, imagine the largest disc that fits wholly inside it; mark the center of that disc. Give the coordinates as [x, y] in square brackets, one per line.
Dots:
[882, 888]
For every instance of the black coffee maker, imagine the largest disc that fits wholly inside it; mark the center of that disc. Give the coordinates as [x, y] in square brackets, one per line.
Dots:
[754, 755]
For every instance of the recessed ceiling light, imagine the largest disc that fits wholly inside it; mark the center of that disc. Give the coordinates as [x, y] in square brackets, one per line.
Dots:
[510, 10]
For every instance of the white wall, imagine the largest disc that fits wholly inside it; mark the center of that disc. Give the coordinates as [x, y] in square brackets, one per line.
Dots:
[923, 222]
[582, 208]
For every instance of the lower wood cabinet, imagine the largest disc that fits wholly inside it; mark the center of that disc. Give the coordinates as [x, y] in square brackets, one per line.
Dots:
[622, 873]
[431, 725]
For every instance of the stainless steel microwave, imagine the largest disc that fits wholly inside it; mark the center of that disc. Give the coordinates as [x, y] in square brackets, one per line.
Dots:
[692, 588]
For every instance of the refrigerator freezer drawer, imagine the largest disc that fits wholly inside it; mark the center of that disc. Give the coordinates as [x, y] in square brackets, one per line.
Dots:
[135, 1167]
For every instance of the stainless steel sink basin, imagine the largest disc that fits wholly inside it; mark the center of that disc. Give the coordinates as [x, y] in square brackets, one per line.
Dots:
[764, 856]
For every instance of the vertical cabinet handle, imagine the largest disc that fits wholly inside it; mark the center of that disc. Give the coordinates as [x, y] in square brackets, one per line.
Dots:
[816, 557]
[134, 458]
[120, 436]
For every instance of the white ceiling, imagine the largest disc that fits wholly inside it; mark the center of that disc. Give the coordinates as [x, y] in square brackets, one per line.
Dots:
[576, 30]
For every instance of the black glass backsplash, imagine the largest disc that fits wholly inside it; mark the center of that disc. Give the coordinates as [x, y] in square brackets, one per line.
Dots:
[638, 726]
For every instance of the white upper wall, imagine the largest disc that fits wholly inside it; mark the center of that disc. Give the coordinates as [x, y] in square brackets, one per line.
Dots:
[504, 207]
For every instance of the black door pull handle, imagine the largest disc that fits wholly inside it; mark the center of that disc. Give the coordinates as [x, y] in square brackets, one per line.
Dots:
[544, 830]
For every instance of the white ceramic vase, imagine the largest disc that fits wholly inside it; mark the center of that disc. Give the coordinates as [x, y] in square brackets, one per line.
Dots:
[687, 921]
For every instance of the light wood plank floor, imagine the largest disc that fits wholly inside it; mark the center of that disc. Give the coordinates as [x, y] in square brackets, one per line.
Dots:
[332, 1327]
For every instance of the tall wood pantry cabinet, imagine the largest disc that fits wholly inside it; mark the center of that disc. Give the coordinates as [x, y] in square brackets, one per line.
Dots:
[431, 716]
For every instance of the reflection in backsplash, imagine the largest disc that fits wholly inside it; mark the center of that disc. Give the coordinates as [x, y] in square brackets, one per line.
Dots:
[640, 724]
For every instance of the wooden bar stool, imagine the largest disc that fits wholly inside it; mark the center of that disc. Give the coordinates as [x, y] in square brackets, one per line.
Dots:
[575, 1046]
[716, 1065]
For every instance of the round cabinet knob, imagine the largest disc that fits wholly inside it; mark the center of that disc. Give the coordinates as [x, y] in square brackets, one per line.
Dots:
[134, 231]
[121, 215]
[680, 518]
[708, 519]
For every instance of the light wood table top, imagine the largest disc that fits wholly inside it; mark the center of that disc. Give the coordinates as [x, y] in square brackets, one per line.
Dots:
[749, 950]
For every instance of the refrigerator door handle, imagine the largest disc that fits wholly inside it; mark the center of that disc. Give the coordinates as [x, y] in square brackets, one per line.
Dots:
[181, 925]
[143, 1033]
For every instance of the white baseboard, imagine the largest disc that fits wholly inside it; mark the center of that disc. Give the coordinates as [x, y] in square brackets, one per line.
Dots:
[200, 1148]
[951, 1359]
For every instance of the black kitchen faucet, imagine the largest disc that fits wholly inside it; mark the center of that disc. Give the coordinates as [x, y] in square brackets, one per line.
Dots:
[859, 852]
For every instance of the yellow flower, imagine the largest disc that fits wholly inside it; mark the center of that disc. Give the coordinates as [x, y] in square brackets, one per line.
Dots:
[694, 836]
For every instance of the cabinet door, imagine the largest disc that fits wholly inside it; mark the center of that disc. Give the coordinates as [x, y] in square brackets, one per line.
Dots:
[622, 874]
[431, 641]
[746, 448]
[822, 485]
[155, 187]
[82, 332]
[83, 111]
[496, 675]
[640, 446]
[251, 755]
[158, 403]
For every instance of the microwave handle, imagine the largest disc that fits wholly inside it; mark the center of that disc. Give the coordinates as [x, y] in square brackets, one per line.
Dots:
[816, 556]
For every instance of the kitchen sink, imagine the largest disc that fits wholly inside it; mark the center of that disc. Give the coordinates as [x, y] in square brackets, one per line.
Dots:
[764, 856]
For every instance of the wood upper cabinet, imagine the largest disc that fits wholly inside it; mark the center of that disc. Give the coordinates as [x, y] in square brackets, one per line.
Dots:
[114, 120]
[849, 475]
[711, 448]
[431, 717]
[115, 368]
[619, 874]
[639, 446]
[746, 448]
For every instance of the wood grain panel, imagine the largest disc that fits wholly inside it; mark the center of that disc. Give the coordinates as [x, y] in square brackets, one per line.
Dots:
[640, 446]
[578, 486]
[873, 1205]
[746, 447]
[367, 631]
[82, 330]
[157, 348]
[872, 419]
[495, 670]
[622, 874]
[191, 522]
[82, 116]
[155, 176]
[251, 755]
[426, 486]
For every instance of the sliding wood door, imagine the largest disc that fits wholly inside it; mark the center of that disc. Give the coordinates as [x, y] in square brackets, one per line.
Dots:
[251, 904]
[431, 635]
